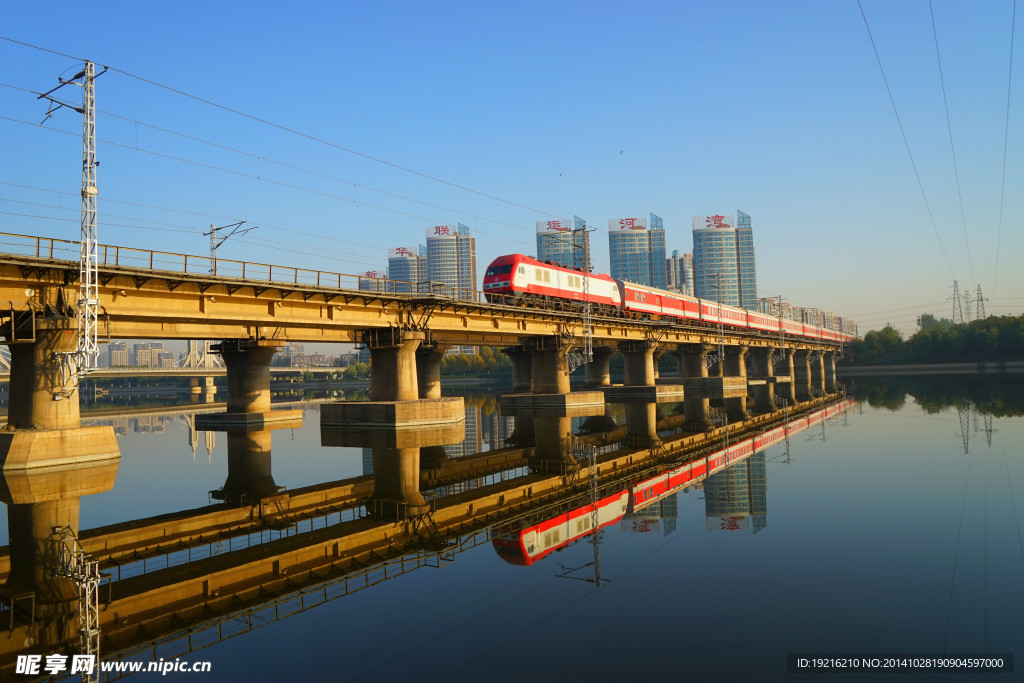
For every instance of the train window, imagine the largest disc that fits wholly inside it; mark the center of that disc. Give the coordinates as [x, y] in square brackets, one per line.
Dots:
[522, 270]
[547, 276]
[537, 275]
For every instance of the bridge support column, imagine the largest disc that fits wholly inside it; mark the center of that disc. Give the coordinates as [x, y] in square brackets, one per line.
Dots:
[522, 368]
[762, 379]
[735, 366]
[831, 385]
[785, 370]
[597, 371]
[43, 425]
[553, 444]
[249, 479]
[693, 360]
[248, 401]
[639, 366]
[802, 374]
[395, 386]
[428, 370]
[550, 366]
[817, 365]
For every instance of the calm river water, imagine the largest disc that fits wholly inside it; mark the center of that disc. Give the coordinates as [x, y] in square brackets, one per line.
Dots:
[892, 527]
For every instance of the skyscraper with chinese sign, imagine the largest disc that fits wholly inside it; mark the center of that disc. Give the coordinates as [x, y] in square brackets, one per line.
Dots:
[724, 266]
[637, 253]
[451, 259]
[564, 242]
[407, 268]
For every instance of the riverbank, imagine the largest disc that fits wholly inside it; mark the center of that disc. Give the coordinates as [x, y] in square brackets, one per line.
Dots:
[929, 369]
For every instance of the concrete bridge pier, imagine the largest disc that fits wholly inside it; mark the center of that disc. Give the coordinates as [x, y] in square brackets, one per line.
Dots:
[522, 368]
[524, 434]
[785, 372]
[550, 377]
[762, 379]
[598, 373]
[692, 360]
[396, 390]
[831, 386]
[817, 366]
[734, 366]
[202, 390]
[248, 401]
[640, 380]
[428, 370]
[43, 425]
[802, 375]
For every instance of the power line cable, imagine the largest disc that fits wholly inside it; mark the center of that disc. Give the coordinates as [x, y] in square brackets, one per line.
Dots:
[905, 141]
[952, 147]
[250, 176]
[298, 133]
[1006, 133]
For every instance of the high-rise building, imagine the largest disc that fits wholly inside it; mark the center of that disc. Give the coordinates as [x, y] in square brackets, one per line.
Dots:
[679, 273]
[746, 264]
[564, 242]
[724, 266]
[146, 355]
[737, 496]
[119, 356]
[408, 269]
[451, 260]
[637, 253]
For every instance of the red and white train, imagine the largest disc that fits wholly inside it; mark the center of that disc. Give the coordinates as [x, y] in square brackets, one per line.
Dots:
[540, 540]
[523, 279]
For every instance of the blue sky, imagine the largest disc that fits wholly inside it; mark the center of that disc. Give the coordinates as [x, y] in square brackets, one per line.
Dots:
[599, 109]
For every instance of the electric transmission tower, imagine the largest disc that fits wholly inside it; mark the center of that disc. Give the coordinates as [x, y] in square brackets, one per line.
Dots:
[979, 305]
[958, 313]
[86, 357]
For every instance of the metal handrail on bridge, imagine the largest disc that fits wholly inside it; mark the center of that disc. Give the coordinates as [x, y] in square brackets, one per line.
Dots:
[187, 264]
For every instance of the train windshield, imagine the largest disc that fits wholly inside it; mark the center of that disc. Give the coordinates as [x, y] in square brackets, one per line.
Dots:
[499, 270]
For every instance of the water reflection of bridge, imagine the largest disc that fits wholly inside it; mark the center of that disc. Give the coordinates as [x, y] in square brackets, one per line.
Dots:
[192, 578]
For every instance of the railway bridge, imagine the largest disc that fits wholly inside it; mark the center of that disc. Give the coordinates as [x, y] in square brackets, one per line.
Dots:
[251, 309]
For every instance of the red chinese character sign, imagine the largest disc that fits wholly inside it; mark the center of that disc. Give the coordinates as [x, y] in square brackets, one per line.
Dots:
[442, 230]
[399, 252]
[627, 224]
[554, 226]
[717, 220]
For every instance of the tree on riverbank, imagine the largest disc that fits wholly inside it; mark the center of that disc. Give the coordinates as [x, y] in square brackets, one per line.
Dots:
[992, 340]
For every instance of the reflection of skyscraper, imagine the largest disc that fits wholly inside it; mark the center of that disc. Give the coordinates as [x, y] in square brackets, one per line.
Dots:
[660, 515]
[738, 495]
[367, 461]
[472, 444]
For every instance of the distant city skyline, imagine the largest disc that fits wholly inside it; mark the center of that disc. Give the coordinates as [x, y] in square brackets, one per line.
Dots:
[797, 128]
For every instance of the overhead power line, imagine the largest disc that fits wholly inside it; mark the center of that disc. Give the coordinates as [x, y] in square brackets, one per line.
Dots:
[298, 133]
[1006, 133]
[952, 147]
[906, 143]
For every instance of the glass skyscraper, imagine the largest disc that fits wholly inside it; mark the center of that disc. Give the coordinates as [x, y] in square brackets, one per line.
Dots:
[638, 253]
[724, 267]
[408, 268]
[679, 273]
[564, 242]
[451, 259]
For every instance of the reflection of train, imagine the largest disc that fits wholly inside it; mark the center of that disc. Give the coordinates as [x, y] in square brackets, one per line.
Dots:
[524, 280]
[540, 540]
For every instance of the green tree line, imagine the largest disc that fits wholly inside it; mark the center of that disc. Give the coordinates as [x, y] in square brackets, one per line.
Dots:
[993, 339]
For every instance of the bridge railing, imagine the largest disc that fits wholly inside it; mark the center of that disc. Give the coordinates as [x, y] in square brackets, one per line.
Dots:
[148, 259]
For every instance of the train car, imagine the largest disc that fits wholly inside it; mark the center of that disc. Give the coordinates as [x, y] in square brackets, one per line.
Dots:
[762, 321]
[522, 277]
[648, 301]
[713, 312]
[792, 327]
[540, 540]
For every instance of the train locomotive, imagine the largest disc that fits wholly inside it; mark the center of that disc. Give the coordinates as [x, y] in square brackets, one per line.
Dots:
[520, 279]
